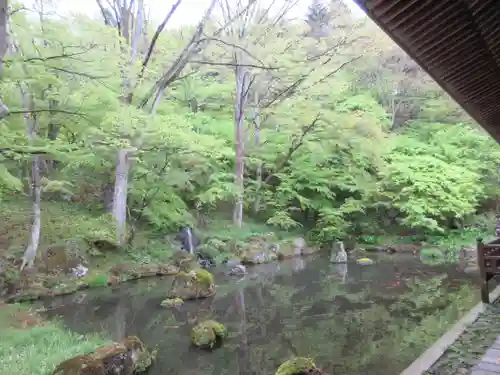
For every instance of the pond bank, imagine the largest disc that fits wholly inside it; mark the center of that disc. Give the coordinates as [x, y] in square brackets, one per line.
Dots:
[32, 346]
[30, 287]
[458, 350]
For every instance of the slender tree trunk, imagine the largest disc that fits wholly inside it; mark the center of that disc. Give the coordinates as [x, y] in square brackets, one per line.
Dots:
[36, 190]
[123, 160]
[4, 34]
[242, 86]
[257, 145]
[120, 195]
[4, 46]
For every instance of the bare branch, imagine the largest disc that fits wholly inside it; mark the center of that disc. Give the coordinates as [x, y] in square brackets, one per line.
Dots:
[334, 71]
[180, 63]
[49, 110]
[55, 57]
[235, 46]
[86, 75]
[234, 64]
[297, 142]
[156, 35]
[14, 11]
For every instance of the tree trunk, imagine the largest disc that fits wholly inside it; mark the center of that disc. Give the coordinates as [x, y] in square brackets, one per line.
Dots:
[120, 196]
[4, 34]
[123, 161]
[257, 145]
[36, 224]
[36, 190]
[4, 46]
[242, 86]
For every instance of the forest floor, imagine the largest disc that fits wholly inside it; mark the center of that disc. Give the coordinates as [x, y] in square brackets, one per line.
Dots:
[31, 346]
[470, 347]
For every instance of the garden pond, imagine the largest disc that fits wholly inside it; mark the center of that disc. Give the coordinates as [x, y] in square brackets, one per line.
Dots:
[351, 319]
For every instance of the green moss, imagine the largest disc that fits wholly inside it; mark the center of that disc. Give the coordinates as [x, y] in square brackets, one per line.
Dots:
[145, 361]
[295, 366]
[204, 277]
[208, 333]
[97, 281]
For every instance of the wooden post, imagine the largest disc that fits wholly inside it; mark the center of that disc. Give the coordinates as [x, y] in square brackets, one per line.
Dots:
[485, 295]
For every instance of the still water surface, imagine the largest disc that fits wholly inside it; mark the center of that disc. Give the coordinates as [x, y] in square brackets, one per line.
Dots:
[366, 321]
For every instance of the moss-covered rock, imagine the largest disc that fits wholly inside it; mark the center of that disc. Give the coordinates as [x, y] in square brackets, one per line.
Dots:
[365, 261]
[254, 256]
[144, 361]
[120, 358]
[64, 255]
[126, 272]
[208, 334]
[172, 302]
[296, 366]
[198, 283]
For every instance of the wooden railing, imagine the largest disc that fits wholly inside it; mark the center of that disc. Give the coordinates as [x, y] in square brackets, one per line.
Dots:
[488, 261]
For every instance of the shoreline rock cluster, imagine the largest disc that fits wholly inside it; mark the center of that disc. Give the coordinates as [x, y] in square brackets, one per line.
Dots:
[51, 277]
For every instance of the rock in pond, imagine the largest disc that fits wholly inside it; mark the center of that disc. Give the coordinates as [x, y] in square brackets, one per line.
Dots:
[126, 357]
[198, 283]
[208, 334]
[172, 302]
[238, 270]
[364, 261]
[297, 366]
[252, 257]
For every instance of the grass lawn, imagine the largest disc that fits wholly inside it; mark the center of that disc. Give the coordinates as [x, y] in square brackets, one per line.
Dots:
[30, 346]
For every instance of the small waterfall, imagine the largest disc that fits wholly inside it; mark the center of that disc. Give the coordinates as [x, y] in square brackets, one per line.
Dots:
[190, 240]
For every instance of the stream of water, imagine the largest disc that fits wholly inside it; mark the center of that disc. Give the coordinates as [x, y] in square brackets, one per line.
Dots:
[366, 321]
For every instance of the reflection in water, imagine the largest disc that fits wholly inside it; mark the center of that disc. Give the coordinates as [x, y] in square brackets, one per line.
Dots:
[341, 269]
[365, 321]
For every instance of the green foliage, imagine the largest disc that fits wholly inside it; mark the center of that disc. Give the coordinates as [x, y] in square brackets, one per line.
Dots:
[374, 147]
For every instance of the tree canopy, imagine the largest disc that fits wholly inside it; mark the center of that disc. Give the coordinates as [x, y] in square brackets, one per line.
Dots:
[320, 123]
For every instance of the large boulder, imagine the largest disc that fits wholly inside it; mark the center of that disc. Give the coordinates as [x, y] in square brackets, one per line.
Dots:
[295, 247]
[258, 256]
[123, 272]
[198, 283]
[172, 302]
[126, 357]
[208, 334]
[65, 255]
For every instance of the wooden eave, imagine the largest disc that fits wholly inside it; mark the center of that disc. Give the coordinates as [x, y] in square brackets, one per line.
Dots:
[456, 41]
